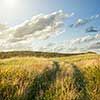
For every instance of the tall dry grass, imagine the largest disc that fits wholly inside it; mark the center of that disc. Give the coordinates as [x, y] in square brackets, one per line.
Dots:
[32, 78]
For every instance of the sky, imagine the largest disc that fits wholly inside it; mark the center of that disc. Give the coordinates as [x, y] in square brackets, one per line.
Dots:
[66, 26]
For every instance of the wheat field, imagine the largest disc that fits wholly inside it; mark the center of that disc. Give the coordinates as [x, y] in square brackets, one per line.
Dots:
[75, 77]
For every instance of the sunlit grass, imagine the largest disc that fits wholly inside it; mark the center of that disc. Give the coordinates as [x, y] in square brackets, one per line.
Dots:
[60, 78]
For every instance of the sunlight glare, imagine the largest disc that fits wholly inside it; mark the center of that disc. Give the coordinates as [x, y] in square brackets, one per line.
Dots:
[11, 3]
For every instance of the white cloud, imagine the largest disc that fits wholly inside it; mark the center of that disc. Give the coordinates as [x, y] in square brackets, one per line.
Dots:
[81, 22]
[94, 45]
[39, 27]
[5, 46]
[77, 45]
[43, 27]
[87, 38]
[3, 27]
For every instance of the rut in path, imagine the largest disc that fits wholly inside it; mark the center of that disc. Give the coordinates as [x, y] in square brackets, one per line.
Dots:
[79, 82]
[42, 83]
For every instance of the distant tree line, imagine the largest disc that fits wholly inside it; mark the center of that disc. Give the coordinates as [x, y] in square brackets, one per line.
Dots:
[36, 54]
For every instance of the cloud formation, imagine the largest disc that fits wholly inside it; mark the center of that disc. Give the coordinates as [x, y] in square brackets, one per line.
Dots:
[43, 27]
[3, 27]
[95, 45]
[75, 45]
[81, 22]
[91, 29]
[15, 46]
[87, 38]
[38, 27]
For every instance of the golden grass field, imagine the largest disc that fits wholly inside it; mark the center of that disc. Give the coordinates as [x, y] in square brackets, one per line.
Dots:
[75, 77]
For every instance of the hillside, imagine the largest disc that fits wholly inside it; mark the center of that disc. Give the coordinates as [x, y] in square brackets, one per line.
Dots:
[36, 54]
[34, 76]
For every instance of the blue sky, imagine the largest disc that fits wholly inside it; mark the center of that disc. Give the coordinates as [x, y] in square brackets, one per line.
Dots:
[15, 12]
[82, 8]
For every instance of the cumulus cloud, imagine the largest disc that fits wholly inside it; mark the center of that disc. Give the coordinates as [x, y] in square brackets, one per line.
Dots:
[38, 27]
[5, 46]
[87, 38]
[43, 27]
[81, 22]
[95, 45]
[85, 43]
[75, 45]
[3, 27]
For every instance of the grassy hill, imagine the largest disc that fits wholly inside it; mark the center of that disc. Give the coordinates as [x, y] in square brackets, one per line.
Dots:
[49, 76]
[36, 54]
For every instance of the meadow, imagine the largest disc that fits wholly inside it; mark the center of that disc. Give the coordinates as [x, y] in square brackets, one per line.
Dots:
[65, 77]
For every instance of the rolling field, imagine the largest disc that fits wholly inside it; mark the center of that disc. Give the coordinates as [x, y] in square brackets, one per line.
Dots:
[70, 77]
